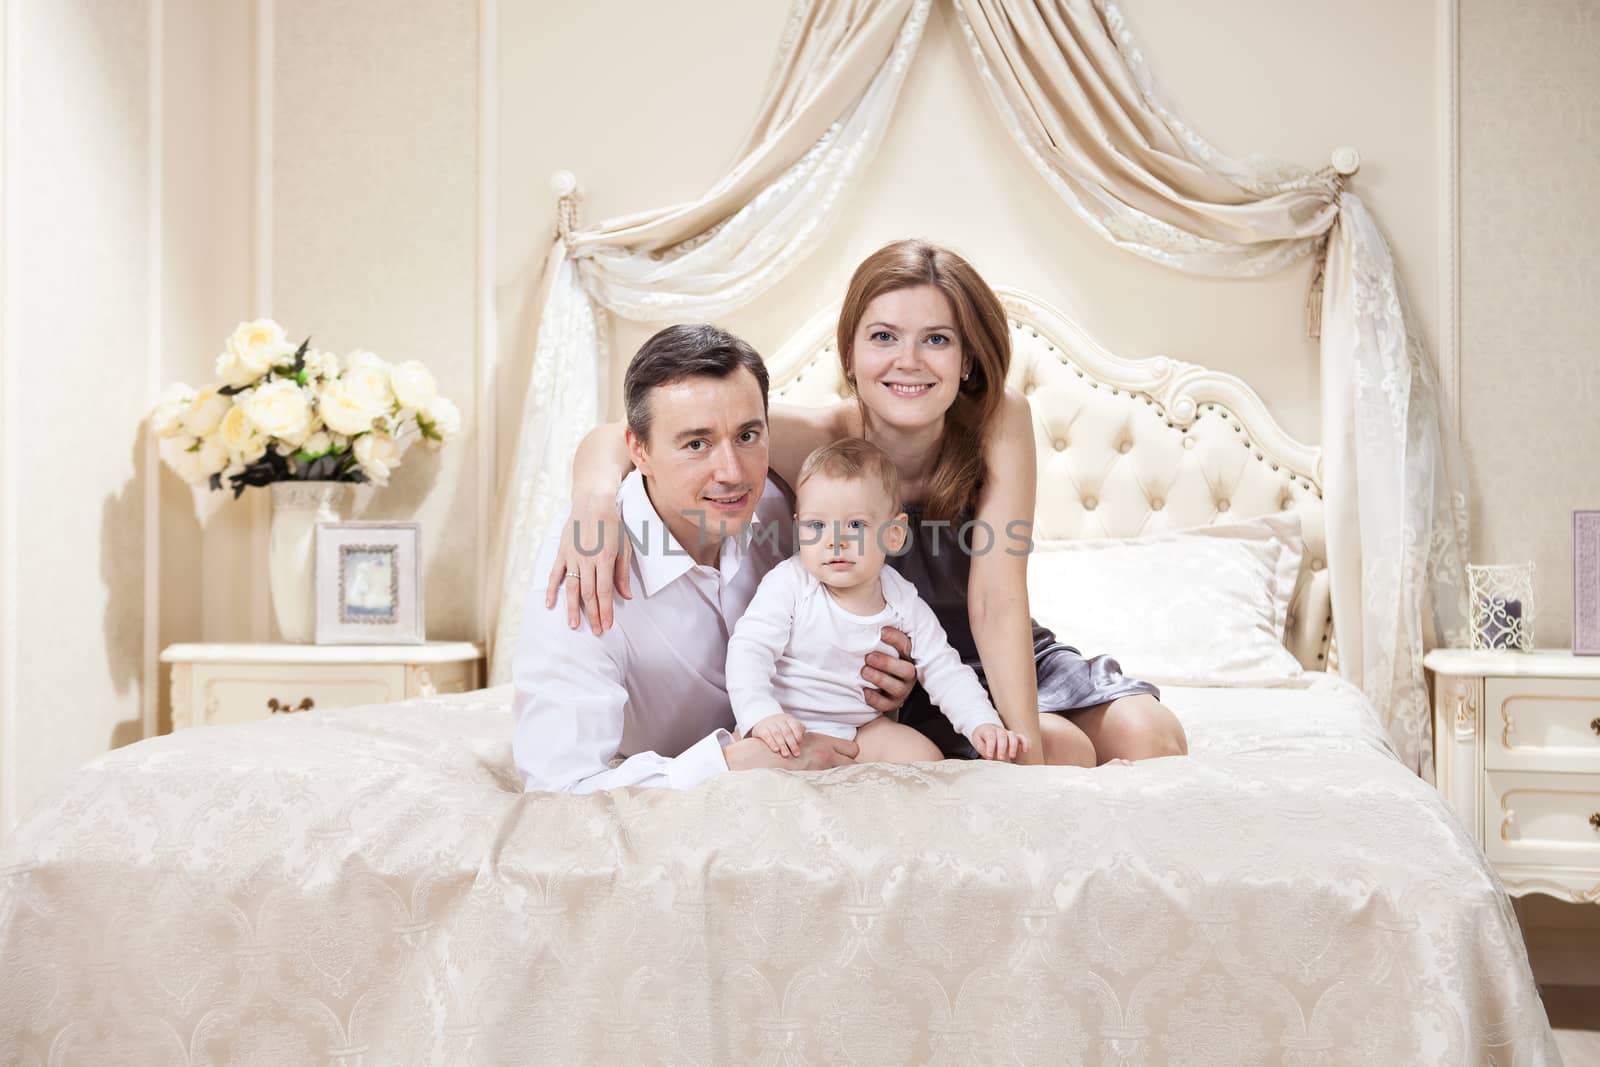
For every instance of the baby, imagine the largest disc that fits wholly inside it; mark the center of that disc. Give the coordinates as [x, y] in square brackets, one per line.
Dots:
[794, 657]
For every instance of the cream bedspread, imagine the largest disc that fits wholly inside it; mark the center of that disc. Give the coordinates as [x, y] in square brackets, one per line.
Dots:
[368, 887]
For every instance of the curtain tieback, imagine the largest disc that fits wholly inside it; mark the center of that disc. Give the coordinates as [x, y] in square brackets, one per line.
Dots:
[1319, 275]
[564, 184]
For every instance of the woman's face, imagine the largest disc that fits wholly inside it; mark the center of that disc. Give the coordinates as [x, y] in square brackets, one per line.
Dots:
[907, 360]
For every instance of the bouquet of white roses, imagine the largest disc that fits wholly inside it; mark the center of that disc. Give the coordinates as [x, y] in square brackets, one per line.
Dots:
[283, 412]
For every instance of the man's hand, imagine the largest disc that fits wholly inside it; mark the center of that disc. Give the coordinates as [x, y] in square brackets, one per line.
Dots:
[818, 752]
[782, 733]
[894, 677]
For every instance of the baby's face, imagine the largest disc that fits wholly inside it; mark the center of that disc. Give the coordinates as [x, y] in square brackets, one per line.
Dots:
[846, 529]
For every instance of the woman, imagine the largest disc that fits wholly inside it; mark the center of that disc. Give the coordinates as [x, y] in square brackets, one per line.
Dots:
[924, 344]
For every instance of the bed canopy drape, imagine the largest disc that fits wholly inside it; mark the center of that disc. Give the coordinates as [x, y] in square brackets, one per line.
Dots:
[1067, 80]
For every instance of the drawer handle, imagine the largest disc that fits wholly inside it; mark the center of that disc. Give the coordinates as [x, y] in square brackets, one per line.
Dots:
[1594, 820]
[1594, 724]
[306, 704]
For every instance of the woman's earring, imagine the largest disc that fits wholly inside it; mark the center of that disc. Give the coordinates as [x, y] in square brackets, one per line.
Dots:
[967, 375]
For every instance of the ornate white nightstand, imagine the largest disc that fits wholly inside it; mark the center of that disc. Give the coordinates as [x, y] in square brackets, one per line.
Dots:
[238, 683]
[1516, 741]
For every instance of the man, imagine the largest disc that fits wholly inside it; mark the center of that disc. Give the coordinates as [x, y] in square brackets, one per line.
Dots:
[707, 524]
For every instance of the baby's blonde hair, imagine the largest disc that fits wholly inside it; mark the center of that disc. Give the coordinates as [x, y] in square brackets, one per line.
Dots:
[853, 458]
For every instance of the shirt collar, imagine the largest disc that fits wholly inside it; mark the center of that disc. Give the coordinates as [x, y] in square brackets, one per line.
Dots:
[658, 557]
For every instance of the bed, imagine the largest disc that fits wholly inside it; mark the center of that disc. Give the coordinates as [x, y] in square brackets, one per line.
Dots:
[368, 886]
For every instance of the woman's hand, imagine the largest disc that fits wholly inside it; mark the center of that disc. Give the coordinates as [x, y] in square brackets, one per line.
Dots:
[998, 743]
[590, 575]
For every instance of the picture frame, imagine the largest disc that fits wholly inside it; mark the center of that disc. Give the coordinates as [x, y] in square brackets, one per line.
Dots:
[368, 580]
[1586, 583]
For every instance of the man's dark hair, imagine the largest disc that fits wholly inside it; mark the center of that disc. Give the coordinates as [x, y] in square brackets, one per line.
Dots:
[679, 352]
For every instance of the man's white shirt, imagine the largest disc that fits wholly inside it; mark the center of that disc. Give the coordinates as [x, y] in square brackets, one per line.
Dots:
[653, 687]
[797, 651]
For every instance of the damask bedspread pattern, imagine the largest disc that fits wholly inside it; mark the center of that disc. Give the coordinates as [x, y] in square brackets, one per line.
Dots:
[369, 887]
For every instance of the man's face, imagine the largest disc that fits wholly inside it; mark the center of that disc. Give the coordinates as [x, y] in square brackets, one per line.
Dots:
[706, 459]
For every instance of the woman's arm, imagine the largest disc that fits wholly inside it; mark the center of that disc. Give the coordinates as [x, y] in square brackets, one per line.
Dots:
[598, 467]
[795, 431]
[997, 590]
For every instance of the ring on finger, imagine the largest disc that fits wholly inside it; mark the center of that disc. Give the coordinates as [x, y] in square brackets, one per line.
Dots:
[573, 574]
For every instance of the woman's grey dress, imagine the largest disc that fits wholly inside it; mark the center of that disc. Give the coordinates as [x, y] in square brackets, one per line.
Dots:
[936, 564]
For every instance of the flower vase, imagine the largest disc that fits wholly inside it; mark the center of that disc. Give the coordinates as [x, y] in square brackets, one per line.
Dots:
[297, 507]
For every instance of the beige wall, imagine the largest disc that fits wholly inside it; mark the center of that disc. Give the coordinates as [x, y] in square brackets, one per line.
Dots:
[658, 127]
[77, 359]
[396, 199]
[1530, 349]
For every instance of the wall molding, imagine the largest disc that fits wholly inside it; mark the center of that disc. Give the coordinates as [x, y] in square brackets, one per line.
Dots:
[1448, 93]
[488, 350]
[150, 689]
[260, 512]
[10, 690]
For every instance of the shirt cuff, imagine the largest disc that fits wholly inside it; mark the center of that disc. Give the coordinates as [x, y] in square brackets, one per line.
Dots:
[700, 761]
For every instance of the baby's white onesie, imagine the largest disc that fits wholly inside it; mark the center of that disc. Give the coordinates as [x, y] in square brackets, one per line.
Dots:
[796, 650]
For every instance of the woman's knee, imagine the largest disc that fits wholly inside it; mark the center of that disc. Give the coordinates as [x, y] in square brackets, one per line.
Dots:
[1065, 745]
[1141, 727]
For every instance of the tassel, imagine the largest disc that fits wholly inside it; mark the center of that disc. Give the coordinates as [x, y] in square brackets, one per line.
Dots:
[1314, 297]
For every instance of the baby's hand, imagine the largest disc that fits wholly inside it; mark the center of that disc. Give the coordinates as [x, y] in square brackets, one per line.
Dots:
[998, 743]
[782, 734]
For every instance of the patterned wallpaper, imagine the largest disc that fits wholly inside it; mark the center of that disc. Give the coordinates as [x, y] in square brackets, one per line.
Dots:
[1530, 273]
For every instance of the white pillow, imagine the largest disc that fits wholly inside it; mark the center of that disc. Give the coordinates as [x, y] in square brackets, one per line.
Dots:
[1207, 606]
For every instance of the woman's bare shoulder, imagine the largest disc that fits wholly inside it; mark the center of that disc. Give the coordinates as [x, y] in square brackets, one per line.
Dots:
[1013, 420]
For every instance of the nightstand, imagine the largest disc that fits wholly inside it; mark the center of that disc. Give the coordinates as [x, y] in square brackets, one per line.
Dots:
[239, 683]
[1516, 743]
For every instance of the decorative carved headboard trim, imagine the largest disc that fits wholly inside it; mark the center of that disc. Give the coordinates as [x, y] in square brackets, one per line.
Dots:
[1130, 446]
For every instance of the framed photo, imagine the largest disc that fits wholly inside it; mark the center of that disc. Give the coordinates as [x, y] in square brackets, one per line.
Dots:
[369, 583]
[1586, 583]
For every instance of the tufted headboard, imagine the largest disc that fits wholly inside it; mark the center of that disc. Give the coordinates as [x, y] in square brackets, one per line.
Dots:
[1130, 447]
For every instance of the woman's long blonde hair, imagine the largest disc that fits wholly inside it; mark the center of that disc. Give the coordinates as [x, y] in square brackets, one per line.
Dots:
[957, 476]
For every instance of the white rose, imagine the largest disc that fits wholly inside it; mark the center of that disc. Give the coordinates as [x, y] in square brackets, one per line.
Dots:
[368, 384]
[344, 411]
[255, 348]
[205, 411]
[281, 410]
[361, 358]
[321, 364]
[212, 456]
[318, 444]
[238, 433]
[440, 421]
[175, 454]
[378, 454]
[166, 420]
[413, 384]
[191, 469]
